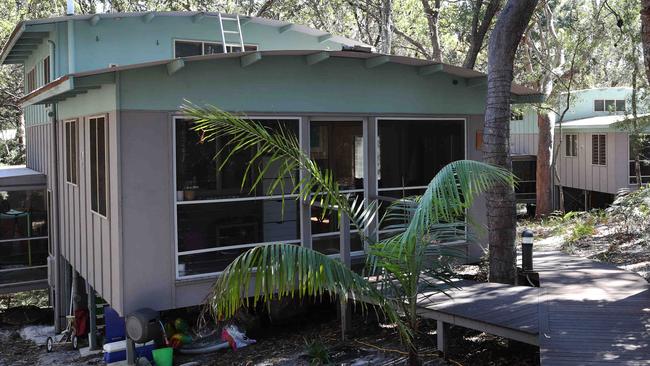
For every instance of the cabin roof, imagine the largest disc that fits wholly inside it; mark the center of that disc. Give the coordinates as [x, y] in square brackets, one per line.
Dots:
[20, 176]
[67, 86]
[22, 35]
[599, 122]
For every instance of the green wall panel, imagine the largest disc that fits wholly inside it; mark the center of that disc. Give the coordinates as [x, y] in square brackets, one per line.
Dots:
[288, 84]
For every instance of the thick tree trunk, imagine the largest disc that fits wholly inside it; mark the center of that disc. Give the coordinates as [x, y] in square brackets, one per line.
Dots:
[645, 35]
[501, 209]
[544, 204]
[386, 36]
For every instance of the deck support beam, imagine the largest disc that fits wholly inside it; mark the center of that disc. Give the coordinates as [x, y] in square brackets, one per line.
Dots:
[174, 66]
[250, 59]
[286, 28]
[147, 18]
[442, 331]
[377, 61]
[197, 17]
[94, 20]
[92, 315]
[476, 82]
[315, 58]
[344, 251]
[324, 37]
[430, 69]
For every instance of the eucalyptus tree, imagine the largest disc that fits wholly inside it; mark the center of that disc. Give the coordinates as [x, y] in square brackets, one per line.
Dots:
[402, 266]
[500, 199]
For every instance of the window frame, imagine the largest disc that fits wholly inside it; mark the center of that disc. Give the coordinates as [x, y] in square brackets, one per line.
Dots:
[30, 78]
[378, 158]
[203, 42]
[571, 145]
[74, 173]
[47, 77]
[106, 167]
[596, 160]
[176, 203]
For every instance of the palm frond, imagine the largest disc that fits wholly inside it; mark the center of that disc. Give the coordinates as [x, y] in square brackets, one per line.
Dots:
[279, 148]
[277, 271]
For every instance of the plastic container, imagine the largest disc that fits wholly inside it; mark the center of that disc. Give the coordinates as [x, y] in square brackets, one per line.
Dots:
[163, 356]
[116, 351]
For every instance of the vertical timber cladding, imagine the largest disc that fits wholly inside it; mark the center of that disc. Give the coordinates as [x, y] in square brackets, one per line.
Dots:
[89, 236]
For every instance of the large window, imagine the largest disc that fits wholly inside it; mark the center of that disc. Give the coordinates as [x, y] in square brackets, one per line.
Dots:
[411, 152]
[31, 80]
[217, 217]
[609, 105]
[571, 145]
[198, 48]
[71, 164]
[98, 165]
[599, 149]
[337, 147]
[23, 236]
[643, 150]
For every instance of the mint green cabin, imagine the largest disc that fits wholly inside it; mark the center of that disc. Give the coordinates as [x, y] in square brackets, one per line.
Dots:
[139, 210]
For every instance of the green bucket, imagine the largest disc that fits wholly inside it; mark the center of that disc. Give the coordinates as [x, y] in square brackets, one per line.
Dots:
[163, 356]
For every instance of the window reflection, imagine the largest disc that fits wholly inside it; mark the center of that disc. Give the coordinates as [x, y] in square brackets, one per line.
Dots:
[22, 214]
[338, 147]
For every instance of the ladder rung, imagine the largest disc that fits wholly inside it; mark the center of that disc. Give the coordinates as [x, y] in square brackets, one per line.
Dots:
[232, 19]
[231, 32]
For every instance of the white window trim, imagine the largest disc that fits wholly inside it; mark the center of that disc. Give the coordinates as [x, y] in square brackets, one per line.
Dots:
[592, 149]
[204, 41]
[178, 203]
[566, 143]
[106, 167]
[378, 155]
[65, 122]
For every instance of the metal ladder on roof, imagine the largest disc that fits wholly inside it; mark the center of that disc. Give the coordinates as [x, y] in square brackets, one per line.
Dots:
[224, 32]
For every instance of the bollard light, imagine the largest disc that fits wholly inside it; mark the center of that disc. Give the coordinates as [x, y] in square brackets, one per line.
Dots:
[527, 250]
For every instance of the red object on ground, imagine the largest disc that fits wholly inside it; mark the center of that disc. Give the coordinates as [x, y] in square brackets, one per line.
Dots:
[81, 322]
[225, 336]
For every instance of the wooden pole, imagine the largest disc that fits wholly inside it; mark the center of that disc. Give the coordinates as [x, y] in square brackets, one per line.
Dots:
[92, 315]
[346, 313]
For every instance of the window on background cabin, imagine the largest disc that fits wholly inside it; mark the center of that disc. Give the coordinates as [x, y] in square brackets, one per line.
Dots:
[620, 106]
[599, 149]
[46, 70]
[599, 105]
[610, 105]
[98, 164]
[516, 116]
[571, 145]
[71, 136]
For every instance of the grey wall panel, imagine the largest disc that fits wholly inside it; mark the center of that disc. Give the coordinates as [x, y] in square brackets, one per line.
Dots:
[116, 208]
[147, 210]
[478, 212]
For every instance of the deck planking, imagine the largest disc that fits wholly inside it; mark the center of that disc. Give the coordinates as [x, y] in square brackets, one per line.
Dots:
[591, 313]
[583, 313]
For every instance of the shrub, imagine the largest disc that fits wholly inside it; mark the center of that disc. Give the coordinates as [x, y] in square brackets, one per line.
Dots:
[631, 211]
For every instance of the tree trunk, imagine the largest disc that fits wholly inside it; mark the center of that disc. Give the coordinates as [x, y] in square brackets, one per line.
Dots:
[386, 35]
[501, 207]
[433, 15]
[645, 35]
[544, 204]
[480, 30]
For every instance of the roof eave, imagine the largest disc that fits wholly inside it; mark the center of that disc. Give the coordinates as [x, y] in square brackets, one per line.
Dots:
[13, 38]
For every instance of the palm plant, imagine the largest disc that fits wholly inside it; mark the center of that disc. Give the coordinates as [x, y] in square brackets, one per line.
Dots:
[402, 266]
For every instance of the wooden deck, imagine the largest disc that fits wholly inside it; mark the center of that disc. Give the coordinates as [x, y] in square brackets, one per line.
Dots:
[591, 313]
[584, 313]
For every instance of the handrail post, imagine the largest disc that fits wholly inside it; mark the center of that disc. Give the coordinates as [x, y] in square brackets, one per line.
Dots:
[344, 251]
